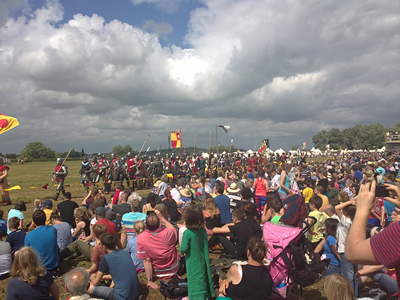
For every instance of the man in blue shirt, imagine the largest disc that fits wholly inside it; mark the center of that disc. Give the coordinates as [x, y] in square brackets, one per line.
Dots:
[43, 239]
[223, 204]
[120, 266]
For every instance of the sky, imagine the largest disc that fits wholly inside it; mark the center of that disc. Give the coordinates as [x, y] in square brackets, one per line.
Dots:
[93, 74]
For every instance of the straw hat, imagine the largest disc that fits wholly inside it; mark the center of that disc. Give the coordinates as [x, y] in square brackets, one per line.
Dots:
[233, 188]
[185, 192]
[157, 184]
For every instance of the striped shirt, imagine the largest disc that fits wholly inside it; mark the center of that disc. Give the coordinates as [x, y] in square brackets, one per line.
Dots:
[386, 247]
[129, 220]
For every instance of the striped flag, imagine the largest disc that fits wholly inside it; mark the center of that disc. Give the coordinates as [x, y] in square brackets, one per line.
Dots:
[262, 148]
[6, 123]
[176, 141]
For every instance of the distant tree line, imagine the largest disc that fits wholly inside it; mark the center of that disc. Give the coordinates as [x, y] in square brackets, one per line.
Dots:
[358, 137]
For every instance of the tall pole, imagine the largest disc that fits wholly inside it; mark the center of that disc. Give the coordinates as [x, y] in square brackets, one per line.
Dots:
[230, 148]
[209, 145]
[144, 144]
[169, 142]
[187, 136]
[180, 134]
[195, 138]
[216, 138]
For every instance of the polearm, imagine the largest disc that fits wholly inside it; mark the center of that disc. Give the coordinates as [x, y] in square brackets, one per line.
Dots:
[195, 139]
[169, 142]
[216, 138]
[147, 151]
[209, 145]
[143, 144]
[187, 136]
[54, 175]
[230, 148]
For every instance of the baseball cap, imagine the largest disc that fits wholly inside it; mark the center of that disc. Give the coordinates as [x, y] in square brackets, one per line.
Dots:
[100, 211]
[48, 203]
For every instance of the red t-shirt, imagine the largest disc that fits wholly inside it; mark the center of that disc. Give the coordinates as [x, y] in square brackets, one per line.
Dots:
[116, 197]
[386, 248]
[111, 227]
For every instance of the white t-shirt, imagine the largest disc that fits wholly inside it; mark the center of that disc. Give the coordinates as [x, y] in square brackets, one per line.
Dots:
[342, 232]
[276, 181]
[176, 195]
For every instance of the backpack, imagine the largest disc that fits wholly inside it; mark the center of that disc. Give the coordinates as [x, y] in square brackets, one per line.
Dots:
[176, 287]
[295, 210]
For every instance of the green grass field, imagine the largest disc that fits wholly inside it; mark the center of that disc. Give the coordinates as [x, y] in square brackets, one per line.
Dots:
[39, 174]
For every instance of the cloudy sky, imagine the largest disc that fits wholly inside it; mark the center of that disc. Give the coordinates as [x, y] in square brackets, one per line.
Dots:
[97, 73]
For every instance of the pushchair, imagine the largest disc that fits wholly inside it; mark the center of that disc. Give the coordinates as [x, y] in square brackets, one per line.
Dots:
[289, 265]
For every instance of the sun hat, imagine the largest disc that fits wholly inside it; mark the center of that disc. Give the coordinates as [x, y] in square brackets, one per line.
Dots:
[157, 184]
[233, 188]
[185, 192]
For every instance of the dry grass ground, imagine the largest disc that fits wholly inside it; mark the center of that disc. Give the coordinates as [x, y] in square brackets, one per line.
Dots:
[37, 175]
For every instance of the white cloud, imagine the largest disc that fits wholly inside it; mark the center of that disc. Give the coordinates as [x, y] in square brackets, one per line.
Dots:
[278, 69]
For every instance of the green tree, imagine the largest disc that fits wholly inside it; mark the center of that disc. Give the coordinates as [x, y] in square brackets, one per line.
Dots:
[320, 139]
[122, 151]
[36, 150]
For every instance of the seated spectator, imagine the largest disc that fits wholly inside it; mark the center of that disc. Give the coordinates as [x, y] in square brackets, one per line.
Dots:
[223, 204]
[174, 191]
[48, 210]
[64, 236]
[156, 246]
[338, 287]
[17, 211]
[252, 281]
[3, 223]
[16, 238]
[314, 234]
[151, 203]
[330, 211]
[169, 202]
[234, 195]
[128, 221]
[95, 253]
[93, 195]
[212, 215]
[77, 281]
[115, 199]
[30, 280]
[241, 232]
[379, 275]
[67, 208]
[131, 246]
[328, 247]
[120, 266]
[5, 258]
[163, 186]
[38, 204]
[318, 191]
[43, 239]
[332, 191]
[82, 229]
[121, 208]
[250, 220]
[186, 200]
[273, 212]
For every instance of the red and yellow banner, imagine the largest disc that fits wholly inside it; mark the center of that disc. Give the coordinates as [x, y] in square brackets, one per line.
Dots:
[176, 141]
[6, 123]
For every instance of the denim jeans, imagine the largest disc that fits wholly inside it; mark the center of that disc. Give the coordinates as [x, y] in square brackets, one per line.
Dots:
[103, 292]
[386, 283]
[350, 271]
[332, 270]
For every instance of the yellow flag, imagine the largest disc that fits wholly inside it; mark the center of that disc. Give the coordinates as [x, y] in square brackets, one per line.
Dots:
[6, 123]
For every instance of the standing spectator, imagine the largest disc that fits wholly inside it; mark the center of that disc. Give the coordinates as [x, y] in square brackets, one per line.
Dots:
[119, 264]
[43, 239]
[284, 189]
[30, 280]
[156, 246]
[16, 238]
[260, 187]
[308, 192]
[66, 208]
[17, 211]
[163, 186]
[223, 204]
[194, 246]
[314, 234]
[5, 258]
[64, 236]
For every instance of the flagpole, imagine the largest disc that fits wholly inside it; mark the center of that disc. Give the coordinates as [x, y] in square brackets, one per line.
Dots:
[216, 138]
[209, 145]
[187, 136]
[230, 148]
[169, 142]
[180, 134]
[143, 144]
[195, 138]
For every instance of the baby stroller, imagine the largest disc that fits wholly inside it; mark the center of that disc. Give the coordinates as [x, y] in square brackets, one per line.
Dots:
[289, 266]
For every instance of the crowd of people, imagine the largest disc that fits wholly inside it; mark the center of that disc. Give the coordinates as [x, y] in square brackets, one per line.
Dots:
[352, 202]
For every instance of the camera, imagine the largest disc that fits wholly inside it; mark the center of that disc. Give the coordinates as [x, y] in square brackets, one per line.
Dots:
[371, 230]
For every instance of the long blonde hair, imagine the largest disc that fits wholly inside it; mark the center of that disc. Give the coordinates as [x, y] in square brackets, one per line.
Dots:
[27, 267]
[338, 287]
[210, 206]
[139, 227]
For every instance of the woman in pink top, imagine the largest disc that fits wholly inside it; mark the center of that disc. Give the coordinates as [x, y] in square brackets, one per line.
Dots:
[261, 187]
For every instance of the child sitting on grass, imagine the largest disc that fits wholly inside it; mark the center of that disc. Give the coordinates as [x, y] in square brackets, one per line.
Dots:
[38, 204]
[16, 238]
[95, 253]
[3, 223]
[314, 234]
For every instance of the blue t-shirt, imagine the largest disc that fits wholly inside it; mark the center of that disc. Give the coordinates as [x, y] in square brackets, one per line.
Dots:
[120, 266]
[223, 204]
[358, 175]
[250, 175]
[131, 247]
[3, 226]
[44, 241]
[389, 208]
[16, 239]
[14, 213]
[331, 241]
